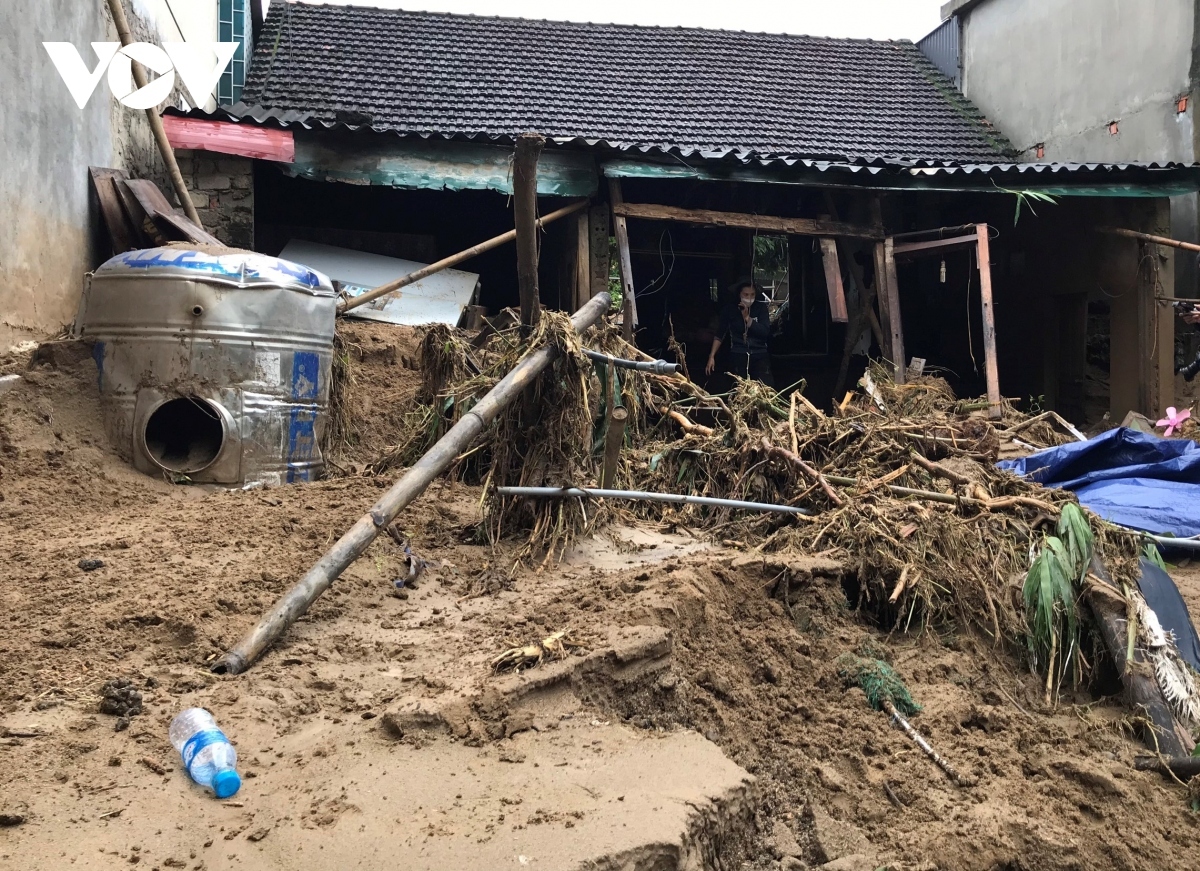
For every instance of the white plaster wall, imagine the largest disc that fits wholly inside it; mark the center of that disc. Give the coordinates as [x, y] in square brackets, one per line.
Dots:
[1058, 71]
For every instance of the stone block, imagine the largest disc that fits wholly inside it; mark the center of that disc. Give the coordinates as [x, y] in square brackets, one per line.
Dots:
[208, 182]
[233, 165]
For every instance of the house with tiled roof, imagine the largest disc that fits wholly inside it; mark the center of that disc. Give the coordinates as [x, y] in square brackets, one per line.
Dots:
[877, 211]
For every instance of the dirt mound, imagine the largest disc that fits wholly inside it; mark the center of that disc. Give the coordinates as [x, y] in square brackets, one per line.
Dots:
[376, 378]
[755, 649]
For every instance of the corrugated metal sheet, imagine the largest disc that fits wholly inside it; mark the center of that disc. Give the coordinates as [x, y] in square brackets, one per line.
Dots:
[942, 47]
[622, 160]
[1057, 179]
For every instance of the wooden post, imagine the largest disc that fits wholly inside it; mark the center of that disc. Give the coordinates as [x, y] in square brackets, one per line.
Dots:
[881, 297]
[626, 267]
[895, 322]
[599, 247]
[156, 125]
[989, 322]
[529, 148]
[833, 281]
[583, 262]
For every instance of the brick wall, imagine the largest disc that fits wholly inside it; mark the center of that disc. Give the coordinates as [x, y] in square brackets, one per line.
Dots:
[222, 188]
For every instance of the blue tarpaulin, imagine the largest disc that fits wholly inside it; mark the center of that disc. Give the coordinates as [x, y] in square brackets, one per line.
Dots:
[1128, 477]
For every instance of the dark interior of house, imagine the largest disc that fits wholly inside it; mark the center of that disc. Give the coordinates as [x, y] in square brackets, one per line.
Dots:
[1052, 319]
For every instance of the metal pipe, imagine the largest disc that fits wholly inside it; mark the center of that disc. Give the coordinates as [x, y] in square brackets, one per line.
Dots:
[657, 367]
[344, 305]
[156, 125]
[436, 460]
[614, 438]
[638, 495]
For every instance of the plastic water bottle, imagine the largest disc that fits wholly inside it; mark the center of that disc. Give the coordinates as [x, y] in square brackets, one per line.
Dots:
[208, 756]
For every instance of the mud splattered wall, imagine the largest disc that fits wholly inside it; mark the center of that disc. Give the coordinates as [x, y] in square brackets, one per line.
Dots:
[46, 229]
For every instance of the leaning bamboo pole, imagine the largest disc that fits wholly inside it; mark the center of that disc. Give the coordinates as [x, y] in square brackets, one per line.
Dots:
[344, 305]
[436, 460]
[156, 124]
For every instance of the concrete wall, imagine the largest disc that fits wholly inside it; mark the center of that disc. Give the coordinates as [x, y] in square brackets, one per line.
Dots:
[47, 239]
[1059, 71]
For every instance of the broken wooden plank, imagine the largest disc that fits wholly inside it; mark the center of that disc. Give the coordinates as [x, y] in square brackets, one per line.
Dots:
[769, 223]
[121, 235]
[629, 304]
[145, 234]
[149, 197]
[189, 231]
[989, 323]
[833, 281]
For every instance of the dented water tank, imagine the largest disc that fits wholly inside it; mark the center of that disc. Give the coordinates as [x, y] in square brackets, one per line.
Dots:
[214, 366]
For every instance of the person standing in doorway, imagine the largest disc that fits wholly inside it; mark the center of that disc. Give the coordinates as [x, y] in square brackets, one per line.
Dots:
[746, 325]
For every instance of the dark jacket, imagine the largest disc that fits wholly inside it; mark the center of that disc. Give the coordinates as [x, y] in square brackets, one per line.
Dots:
[750, 340]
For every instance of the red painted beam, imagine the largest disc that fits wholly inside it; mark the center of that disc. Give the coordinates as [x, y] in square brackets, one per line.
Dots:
[225, 137]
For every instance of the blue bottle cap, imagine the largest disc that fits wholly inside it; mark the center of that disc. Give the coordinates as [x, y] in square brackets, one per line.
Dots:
[226, 782]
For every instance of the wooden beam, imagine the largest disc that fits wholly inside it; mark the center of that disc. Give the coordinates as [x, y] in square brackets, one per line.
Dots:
[895, 324]
[914, 247]
[529, 148]
[622, 233]
[989, 322]
[833, 281]
[768, 223]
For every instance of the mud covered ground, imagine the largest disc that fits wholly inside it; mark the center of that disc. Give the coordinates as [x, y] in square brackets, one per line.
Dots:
[377, 727]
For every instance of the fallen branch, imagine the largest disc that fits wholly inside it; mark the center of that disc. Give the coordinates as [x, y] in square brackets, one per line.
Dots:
[936, 469]
[788, 456]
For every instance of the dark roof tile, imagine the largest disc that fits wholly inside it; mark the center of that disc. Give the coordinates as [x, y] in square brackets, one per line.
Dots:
[632, 87]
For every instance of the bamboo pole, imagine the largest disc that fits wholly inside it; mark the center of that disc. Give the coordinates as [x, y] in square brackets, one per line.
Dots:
[529, 148]
[156, 125]
[436, 460]
[345, 305]
[1147, 237]
[614, 438]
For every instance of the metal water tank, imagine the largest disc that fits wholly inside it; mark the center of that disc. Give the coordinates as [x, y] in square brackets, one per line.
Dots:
[214, 367]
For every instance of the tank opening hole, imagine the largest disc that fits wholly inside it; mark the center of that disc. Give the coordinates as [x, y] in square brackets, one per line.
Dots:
[185, 434]
[197, 310]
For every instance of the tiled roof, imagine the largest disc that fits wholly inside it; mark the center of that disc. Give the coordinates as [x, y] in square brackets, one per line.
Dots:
[627, 87]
